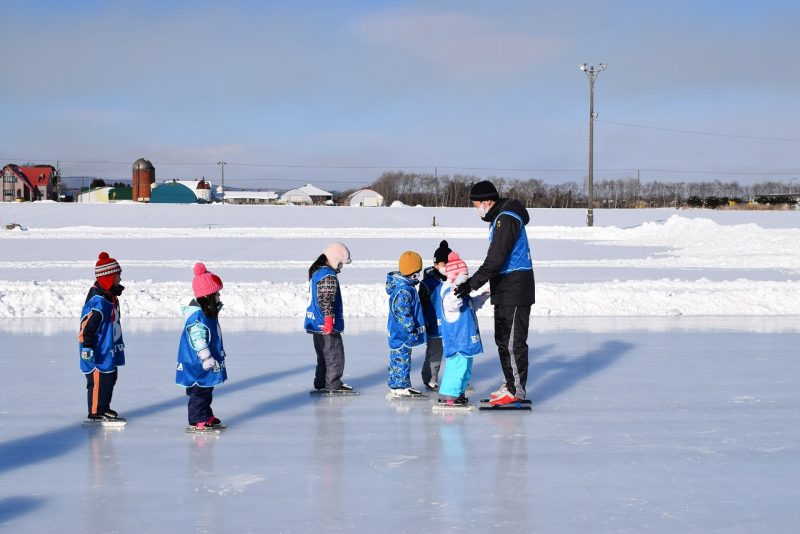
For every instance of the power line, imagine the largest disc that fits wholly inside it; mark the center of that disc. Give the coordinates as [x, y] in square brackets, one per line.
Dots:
[431, 167]
[694, 132]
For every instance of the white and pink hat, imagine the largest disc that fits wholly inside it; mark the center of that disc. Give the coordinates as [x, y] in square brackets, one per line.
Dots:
[455, 266]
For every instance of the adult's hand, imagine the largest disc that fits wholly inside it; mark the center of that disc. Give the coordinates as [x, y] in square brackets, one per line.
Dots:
[463, 290]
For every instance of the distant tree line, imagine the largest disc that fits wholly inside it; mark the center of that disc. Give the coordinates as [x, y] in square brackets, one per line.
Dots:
[446, 190]
[99, 182]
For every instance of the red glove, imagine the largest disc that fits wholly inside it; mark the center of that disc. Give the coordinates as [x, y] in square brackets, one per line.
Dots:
[327, 328]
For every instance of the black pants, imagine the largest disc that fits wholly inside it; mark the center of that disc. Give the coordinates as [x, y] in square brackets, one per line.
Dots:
[511, 336]
[99, 389]
[433, 360]
[330, 361]
[199, 404]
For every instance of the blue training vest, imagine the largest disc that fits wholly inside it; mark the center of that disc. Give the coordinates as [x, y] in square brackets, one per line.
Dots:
[109, 351]
[463, 335]
[189, 371]
[520, 257]
[432, 310]
[314, 316]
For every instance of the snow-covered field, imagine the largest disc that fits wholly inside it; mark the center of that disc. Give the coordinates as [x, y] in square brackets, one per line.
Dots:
[633, 263]
[663, 375]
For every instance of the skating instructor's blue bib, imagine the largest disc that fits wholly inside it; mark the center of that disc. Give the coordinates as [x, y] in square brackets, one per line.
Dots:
[520, 257]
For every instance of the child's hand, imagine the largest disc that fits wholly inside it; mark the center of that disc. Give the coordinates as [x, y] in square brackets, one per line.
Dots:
[209, 363]
[327, 328]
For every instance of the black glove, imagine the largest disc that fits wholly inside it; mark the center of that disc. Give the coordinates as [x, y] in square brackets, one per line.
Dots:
[463, 290]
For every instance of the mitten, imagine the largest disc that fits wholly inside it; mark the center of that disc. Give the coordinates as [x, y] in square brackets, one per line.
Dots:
[87, 354]
[208, 364]
[463, 290]
[327, 328]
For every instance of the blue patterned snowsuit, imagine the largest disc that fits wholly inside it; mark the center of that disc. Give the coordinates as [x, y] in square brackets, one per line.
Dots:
[406, 327]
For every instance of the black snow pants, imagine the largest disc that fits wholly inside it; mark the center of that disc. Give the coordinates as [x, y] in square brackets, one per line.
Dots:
[330, 361]
[511, 336]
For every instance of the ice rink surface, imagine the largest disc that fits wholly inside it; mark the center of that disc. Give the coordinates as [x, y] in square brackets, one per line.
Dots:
[639, 425]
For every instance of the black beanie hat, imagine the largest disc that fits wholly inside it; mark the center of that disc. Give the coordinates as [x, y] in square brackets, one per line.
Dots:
[484, 190]
[441, 253]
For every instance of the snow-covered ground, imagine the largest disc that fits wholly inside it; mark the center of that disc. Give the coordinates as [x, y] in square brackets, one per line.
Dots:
[633, 263]
[663, 373]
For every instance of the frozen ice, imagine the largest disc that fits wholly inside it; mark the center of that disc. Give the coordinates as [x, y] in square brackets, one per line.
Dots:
[659, 425]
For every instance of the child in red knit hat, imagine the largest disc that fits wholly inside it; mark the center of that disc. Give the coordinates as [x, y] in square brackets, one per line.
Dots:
[100, 342]
[201, 356]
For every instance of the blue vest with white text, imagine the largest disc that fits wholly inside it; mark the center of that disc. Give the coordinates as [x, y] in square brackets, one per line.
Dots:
[109, 351]
[314, 316]
[190, 370]
[461, 336]
[520, 257]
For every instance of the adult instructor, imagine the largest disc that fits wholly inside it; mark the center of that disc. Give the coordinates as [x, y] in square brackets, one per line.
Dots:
[509, 270]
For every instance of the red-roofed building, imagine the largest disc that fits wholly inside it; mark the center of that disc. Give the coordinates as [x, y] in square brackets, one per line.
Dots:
[36, 182]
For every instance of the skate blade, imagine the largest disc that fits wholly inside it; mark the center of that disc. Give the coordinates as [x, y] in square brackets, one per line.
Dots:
[207, 430]
[104, 424]
[334, 393]
[406, 398]
[464, 408]
[514, 407]
[521, 401]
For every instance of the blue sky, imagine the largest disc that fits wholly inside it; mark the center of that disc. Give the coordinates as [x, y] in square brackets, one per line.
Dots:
[334, 93]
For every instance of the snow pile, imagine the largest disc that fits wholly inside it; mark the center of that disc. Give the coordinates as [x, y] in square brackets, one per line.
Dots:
[675, 264]
[641, 298]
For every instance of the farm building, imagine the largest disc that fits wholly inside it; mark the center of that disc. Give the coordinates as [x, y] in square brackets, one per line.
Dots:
[308, 194]
[366, 198]
[26, 183]
[250, 197]
[104, 194]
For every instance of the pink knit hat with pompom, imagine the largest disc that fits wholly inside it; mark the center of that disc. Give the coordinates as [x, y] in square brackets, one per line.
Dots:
[205, 282]
[455, 266]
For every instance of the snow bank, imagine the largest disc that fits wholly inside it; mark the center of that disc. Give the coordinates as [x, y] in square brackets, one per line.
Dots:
[640, 298]
[689, 245]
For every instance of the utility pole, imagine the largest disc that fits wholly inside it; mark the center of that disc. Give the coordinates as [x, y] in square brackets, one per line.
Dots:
[638, 188]
[222, 166]
[591, 73]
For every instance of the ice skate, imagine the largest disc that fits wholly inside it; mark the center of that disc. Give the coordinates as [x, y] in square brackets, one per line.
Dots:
[405, 394]
[108, 418]
[214, 422]
[342, 391]
[452, 405]
[206, 427]
[506, 401]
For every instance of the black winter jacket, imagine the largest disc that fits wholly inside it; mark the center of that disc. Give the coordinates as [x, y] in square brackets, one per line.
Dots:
[515, 288]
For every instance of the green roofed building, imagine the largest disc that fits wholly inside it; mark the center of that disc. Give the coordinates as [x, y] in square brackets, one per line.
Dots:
[172, 193]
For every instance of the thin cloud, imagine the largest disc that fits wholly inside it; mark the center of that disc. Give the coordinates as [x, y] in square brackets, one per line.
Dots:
[462, 45]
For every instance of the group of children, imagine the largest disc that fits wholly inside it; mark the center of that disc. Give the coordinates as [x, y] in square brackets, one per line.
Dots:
[433, 315]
